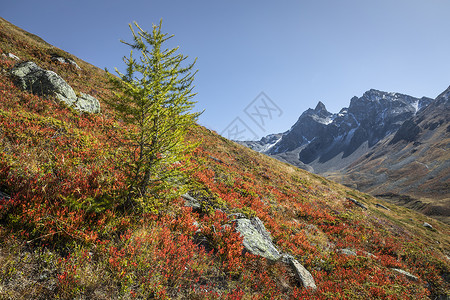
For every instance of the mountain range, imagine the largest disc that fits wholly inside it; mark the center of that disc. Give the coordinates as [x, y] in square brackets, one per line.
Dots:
[389, 144]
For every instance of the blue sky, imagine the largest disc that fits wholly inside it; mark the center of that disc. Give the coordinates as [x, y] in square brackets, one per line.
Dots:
[295, 52]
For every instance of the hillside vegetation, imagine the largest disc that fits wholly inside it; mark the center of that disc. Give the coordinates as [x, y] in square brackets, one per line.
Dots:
[66, 234]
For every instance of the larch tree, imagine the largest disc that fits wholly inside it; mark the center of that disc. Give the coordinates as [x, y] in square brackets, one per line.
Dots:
[154, 97]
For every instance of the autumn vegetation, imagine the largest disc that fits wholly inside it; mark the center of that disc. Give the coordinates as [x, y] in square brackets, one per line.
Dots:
[65, 233]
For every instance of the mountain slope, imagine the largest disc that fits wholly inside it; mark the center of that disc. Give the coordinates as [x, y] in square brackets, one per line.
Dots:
[414, 162]
[388, 144]
[65, 234]
[327, 141]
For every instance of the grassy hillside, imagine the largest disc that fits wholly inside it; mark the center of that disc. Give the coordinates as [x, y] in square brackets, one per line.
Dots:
[64, 233]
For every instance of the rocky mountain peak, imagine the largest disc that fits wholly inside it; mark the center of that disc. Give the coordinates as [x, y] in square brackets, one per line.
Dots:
[444, 97]
[318, 136]
[390, 100]
[373, 94]
[319, 114]
[320, 106]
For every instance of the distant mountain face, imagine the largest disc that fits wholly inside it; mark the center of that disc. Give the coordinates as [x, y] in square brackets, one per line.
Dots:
[263, 144]
[320, 138]
[414, 161]
[383, 143]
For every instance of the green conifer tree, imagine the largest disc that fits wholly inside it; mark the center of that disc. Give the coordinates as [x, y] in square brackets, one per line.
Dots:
[154, 96]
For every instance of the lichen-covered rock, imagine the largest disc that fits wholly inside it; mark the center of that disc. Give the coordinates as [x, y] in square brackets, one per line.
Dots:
[190, 201]
[87, 103]
[381, 206]
[357, 203]
[347, 252]
[257, 239]
[30, 77]
[427, 225]
[303, 275]
[407, 274]
[63, 60]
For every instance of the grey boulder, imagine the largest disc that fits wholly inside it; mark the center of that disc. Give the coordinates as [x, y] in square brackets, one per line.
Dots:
[257, 239]
[357, 203]
[87, 103]
[191, 202]
[303, 275]
[407, 274]
[381, 206]
[427, 225]
[63, 60]
[30, 77]
[347, 252]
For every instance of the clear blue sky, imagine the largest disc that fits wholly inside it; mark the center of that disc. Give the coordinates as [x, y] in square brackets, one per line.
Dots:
[296, 52]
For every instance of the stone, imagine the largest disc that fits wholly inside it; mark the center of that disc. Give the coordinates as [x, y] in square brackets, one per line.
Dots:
[237, 216]
[407, 274]
[302, 274]
[63, 60]
[87, 103]
[381, 206]
[347, 252]
[286, 258]
[357, 203]
[368, 254]
[257, 239]
[30, 77]
[218, 160]
[427, 225]
[12, 56]
[191, 202]
[259, 225]
[408, 132]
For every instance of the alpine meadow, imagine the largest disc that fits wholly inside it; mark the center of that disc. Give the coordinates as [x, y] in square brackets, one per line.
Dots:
[109, 189]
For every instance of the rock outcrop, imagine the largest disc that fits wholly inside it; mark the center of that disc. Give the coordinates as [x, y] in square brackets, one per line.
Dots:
[257, 239]
[356, 202]
[87, 103]
[347, 252]
[407, 274]
[64, 60]
[303, 275]
[191, 202]
[427, 225]
[30, 77]
[381, 206]
[263, 144]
